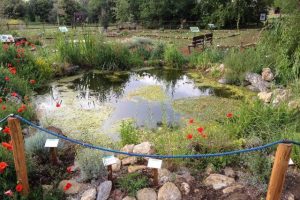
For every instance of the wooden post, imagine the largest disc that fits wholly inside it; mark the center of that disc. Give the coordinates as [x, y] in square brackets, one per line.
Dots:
[110, 175]
[155, 176]
[279, 170]
[53, 155]
[19, 153]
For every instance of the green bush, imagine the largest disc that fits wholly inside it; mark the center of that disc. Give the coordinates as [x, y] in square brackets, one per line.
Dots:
[158, 52]
[207, 58]
[173, 57]
[90, 164]
[131, 183]
[128, 133]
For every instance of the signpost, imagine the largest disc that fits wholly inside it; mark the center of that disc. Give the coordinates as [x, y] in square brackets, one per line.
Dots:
[108, 161]
[63, 29]
[155, 164]
[52, 144]
[263, 17]
[195, 29]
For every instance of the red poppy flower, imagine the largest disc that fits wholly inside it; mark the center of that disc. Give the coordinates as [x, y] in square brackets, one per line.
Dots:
[14, 94]
[200, 129]
[1, 100]
[9, 193]
[7, 146]
[189, 136]
[6, 130]
[9, 65]
[67, 186]
[3, 107]
[229, 115]
[3, 165]
[58, 105]
[19, 187]
[70, 169]
[191, 121]
[6, 78]
[12, 70]
[20, 110]
[32, 82]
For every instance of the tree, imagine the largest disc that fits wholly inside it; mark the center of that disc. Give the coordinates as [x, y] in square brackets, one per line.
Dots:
[122, 10]
[40, 9]
[14, 9]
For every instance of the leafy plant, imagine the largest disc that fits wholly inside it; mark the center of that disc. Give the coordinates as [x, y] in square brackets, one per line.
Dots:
[207, 58]
[173, 57]
[131, 183]
[128, 133]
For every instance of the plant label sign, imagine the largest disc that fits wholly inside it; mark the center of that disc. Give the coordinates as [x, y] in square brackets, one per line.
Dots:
[51, 143]
[291, 162]
[154, 163]
[63, 29]
[263, 17]
[109, 160]
[195, 29]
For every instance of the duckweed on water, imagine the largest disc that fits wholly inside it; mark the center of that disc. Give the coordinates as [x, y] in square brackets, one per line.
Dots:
[150, 93]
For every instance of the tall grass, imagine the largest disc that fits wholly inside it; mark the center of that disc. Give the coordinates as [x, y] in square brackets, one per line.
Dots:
[207, 58]
[173, 58]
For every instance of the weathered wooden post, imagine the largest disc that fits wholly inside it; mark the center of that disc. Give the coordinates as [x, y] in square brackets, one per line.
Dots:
[155, 176]
[19, 154]
[279, 170]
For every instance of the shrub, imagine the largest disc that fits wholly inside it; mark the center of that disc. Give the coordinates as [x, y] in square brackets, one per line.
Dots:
[131, 183]
[158, 52]
[128, 132]
[90, 164]
[207, 58]
[173, 57]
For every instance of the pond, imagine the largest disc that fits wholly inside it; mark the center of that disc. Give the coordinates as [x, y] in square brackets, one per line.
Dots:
[98, 101]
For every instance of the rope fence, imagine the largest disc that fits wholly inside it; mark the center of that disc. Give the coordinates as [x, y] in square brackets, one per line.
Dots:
[91, 146]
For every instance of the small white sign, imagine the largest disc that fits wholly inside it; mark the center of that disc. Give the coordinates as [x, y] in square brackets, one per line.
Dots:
[195, 29]
[291, 162]
[109, 160]
[263, 17]
[154, 163]
[51, 143]
[63, 29]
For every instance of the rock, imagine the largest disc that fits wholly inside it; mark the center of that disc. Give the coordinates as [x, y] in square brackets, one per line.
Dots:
[280, 96]
[129, 161]
[74, 189]
[89, 194]
[144, 148]
[135, 168]
[169, 191]
[209, 169]
[290, 196]
[70, 70]
[146, 194]
[266, 97]
[185, 188]
[55, 130]
[228, 171]
[117, 194]
[184, 176]
[116, 167]
[221, 68]
[267, 74]
[231, 189]
[129, 198]
[257, 81]
[218, 181]
[223, 81]
[128, 148]
[252, 88]
[164, 176]
[26, 131]
[104, 190]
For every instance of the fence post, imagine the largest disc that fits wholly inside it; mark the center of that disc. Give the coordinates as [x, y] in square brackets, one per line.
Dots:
[279, 170]
[19, 154]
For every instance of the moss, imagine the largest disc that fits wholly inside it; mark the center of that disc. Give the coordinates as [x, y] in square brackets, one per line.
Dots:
[150, 93]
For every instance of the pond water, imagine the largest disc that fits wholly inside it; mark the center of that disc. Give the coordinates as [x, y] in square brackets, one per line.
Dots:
[145, 96]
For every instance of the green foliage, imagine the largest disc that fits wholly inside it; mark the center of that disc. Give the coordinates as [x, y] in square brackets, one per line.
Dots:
[90, 164]
[158, 51]
[131, 183]
[128, 133]
[287, 6]
[207, 58]
[173, 57]
[121, 10]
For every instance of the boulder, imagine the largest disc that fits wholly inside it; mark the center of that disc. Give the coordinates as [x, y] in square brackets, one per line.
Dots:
[267, 74]
[129, 161]
[146, 194]
[218, 181]
[164, 176]
[185, 188]
[128, 148]
[74, 189]
[280, 96]
[135, 168]
[169, 191]
[117, 195]
[257, 81]
[104, 190]
[228, 171]
[144, 148]
[90, 194]
[116, 167]
[183, 175]
[231, 189]
[266, 97]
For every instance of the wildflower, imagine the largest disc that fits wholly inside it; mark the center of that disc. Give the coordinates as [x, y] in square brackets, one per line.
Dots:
[67, 186]
[19, 187]
[1, 100]
[204, 135]
[191, 121]
[3, 165]
[229, 115]
[69, 169]
[32, 81]
[20, 110]
[3, 107]
[6, 130]
[9, 65]
[12, 70]
[189, 136]
[58, 105]
[6, 78]
[14, 94]
[9, 193]
[200, 129]
[8, 146]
